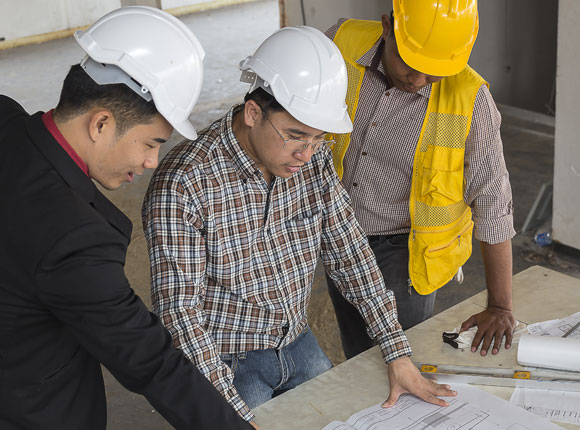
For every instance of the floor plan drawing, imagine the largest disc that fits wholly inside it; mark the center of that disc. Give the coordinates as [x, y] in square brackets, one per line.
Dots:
[472, 409]
[557, 327]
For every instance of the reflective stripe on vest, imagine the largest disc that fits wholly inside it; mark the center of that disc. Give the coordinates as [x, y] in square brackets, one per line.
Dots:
[441, 225]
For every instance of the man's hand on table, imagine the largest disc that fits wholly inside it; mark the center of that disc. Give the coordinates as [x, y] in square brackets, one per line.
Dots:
[492, 325]
[404, 377]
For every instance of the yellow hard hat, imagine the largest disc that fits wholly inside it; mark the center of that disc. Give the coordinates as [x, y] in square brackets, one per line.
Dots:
[435, 37]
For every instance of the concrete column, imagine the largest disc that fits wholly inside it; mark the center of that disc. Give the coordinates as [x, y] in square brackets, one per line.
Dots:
[566, 203]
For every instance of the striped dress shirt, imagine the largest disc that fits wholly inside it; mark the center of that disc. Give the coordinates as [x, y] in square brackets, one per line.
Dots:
[233, 257]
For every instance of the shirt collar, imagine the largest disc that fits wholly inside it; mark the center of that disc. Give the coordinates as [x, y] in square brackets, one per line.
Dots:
[374, 53]
[48, 122]
[246, 167]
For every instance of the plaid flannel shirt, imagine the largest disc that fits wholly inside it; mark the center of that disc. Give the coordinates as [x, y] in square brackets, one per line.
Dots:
[233, 257]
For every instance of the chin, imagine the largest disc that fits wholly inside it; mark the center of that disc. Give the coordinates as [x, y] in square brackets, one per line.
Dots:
[110, 186]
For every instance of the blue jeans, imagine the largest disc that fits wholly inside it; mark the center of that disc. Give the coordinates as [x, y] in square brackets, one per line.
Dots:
[263, 374]
[392, 254]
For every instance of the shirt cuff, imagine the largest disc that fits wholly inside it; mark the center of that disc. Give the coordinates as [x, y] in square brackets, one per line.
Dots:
[241, 408]
[395, 346]
[494, 230]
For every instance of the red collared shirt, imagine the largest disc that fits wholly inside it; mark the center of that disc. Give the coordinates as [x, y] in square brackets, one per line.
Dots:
[48, 121]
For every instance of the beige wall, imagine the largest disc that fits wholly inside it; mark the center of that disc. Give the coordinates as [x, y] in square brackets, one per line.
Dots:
[566, 208]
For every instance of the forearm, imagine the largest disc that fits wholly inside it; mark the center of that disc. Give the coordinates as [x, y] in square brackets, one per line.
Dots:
[497, 260]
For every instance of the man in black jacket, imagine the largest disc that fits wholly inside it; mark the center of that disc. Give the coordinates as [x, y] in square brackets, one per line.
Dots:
[65, 304]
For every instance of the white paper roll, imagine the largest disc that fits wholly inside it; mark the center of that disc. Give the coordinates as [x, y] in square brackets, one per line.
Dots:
[549, 351]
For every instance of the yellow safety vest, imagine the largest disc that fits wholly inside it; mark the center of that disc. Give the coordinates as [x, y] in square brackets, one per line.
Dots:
[441, 224]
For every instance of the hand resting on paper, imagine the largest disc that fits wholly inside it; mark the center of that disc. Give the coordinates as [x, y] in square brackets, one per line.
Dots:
[492, 325]
[404, 377]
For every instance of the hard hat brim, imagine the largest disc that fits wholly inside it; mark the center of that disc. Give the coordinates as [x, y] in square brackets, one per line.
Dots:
[430, 66]
[185, 129]
[329, 125]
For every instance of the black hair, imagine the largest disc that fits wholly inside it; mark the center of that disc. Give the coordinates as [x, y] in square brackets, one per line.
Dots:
[80, 94]
[265, 100]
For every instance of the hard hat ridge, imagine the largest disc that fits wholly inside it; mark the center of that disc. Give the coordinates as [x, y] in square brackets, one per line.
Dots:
[435, 37]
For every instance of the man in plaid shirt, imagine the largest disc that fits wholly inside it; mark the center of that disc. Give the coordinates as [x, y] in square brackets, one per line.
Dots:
[236, 220]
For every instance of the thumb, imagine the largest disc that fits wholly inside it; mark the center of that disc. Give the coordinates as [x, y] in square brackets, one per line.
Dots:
[466, 325]
[393, 397]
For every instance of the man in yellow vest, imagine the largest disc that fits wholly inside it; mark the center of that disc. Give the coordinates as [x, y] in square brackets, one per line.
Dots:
[423, 163]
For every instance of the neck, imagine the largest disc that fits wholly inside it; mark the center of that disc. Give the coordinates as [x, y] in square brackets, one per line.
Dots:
[242, 133]
[72, 131]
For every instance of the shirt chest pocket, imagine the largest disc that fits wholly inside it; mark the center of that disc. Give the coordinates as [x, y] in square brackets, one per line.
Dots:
[305, 219]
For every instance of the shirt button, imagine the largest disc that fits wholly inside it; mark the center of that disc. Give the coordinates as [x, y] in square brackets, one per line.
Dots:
[387, 93]
[364, 153]
[374, 124]
[354, 184]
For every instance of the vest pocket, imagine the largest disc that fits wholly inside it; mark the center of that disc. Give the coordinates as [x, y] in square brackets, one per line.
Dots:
[444, 258]
[440, 188]
[441, 176]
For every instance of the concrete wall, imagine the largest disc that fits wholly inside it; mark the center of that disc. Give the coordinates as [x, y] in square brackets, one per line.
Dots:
[32, 17]
[566, 204]
[515, 50]
[34, 21]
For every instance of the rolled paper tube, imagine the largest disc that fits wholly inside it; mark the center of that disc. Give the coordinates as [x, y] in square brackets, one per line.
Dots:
[550, 352]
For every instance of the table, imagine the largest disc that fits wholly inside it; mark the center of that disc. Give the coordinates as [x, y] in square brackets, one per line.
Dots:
[539, 294]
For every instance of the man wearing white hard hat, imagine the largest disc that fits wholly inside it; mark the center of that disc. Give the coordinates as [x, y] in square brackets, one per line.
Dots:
[236, 220]
[65, 304]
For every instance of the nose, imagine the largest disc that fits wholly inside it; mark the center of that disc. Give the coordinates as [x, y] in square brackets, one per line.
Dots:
[304, 155]
[418, 79]
[152, 160]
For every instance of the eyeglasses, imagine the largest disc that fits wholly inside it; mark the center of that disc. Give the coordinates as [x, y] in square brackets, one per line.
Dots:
[293, 145]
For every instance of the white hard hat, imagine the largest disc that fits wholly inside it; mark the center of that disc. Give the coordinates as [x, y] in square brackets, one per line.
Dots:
[153, 48]
[305, 72]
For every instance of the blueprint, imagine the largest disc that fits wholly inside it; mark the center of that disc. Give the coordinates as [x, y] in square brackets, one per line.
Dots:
[563, 406]
[556, 328]
[472, 409]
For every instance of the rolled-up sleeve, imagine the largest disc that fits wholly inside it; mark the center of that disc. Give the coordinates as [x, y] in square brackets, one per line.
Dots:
[488, 190]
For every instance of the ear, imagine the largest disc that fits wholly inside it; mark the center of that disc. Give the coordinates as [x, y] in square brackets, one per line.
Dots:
[101, 124]
[251, 113]
[386, 20]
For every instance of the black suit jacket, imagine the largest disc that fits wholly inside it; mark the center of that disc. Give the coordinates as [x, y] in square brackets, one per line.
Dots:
[66, 306]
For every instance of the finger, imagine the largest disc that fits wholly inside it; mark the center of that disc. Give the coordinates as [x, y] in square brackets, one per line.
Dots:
[477, 339]
[467, 324]
[497, 343]
[487, 339]
[444, 390]
[428, 397]
[508, 338]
